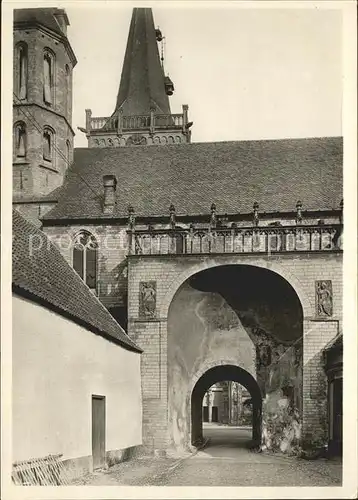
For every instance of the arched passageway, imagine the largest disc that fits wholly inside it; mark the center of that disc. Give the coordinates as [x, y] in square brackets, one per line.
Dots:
[219, 374]
[240, 316]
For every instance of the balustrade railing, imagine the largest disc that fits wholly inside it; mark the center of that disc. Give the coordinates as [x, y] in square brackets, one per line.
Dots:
[136, 122]
[154, 122]
[98, 122]
[168, 121]
[236, 240]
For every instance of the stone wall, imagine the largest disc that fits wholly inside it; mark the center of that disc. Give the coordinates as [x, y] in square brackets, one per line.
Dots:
[103, 140]
[33, 175]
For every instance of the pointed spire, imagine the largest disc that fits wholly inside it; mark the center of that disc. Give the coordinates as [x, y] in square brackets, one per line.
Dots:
[142, 85]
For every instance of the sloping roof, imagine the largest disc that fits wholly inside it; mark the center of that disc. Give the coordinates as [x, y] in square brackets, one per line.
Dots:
[275, 173]
[43, 16]
[336, 342]
[45, 275]
[142, 80]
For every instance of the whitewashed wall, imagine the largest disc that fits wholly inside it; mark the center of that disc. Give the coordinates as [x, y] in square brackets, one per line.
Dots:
[57, 366]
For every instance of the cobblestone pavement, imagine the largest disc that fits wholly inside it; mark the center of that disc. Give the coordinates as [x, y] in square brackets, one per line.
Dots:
[224, 462]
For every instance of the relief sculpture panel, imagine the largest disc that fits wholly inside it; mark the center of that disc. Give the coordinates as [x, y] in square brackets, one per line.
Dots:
[324, 298]
[147, 299]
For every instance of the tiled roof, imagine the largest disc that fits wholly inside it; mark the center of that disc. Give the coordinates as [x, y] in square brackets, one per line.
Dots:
[45, 275]
[274, 173]
[44, 16]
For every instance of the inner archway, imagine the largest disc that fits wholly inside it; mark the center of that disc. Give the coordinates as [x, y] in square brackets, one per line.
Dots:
[219, 374]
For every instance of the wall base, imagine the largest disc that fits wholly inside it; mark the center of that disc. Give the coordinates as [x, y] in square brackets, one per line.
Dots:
[77, 467]
[114, 457]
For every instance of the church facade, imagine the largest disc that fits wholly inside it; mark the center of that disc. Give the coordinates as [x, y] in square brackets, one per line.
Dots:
[220, 260]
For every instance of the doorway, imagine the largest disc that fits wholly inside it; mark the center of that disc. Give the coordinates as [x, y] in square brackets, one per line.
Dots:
[98, 431]
[213, 376]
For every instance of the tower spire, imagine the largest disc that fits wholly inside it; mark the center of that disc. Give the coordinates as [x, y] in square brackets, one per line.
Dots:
[142, 114]
[142, 85]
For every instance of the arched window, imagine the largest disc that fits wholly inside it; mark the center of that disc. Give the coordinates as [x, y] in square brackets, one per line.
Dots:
[21, 73]
[68, 90]
[20, 140]
[85, 258]
[48, 144]
[48, 77]
[68, 154]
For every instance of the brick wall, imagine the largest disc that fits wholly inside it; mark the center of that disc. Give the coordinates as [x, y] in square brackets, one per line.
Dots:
[301, 271]
[112, 263]
[169, 273]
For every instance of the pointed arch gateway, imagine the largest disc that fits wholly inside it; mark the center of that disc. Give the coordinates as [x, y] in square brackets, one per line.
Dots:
[222, 373]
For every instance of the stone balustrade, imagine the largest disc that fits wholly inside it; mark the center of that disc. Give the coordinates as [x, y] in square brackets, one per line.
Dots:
[239, 240]
[139, 122]
[98, 122]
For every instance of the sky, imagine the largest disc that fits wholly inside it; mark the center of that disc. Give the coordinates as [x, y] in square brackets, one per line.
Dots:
[246, 73]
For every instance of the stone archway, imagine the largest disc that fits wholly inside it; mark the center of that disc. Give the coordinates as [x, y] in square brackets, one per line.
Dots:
[243, 316]
[218, 374]
[275, 267]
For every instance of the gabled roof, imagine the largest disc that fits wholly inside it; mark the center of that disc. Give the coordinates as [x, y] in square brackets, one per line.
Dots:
[274, 173]
[44, 276]
[142, 80]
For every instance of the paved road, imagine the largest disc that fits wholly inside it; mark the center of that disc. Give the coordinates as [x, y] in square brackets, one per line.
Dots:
[226, 461]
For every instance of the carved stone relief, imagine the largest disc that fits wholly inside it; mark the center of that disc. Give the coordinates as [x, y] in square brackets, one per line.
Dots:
[324, 298]
[136, 140]
[147, 299]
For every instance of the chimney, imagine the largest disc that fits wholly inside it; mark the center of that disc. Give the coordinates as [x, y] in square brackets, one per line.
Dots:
[109, 186]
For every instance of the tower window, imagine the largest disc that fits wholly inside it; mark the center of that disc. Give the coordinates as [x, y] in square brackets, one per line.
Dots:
[68, 153]
[48, 78]
[68, 90]
[22, 66]
[48, 144]
[85, 258]
[20, 140]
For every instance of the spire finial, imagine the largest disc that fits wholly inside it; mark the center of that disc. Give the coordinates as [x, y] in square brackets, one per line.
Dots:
[172, 216]
[256, 213]
[131, 218]
[298, 212]
[213, 215]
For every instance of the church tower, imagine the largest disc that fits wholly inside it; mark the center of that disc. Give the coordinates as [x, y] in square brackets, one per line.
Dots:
[142, 114]
[42, 101]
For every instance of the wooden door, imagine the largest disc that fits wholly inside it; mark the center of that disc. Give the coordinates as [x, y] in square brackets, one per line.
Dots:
[98, 431]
